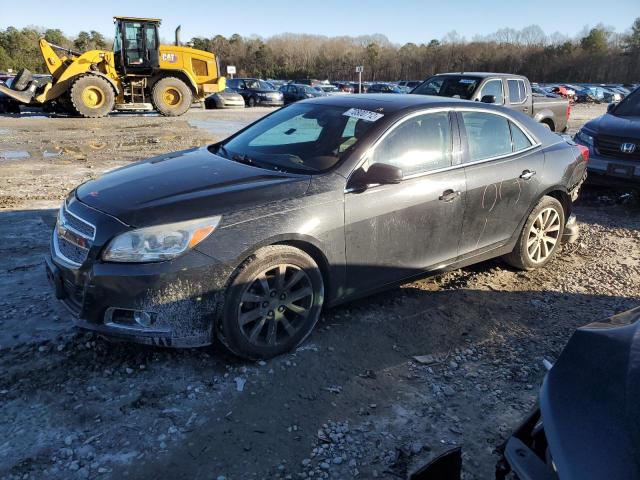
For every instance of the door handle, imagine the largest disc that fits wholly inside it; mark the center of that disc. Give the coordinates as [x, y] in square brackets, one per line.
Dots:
[527, 174]
[449, 195]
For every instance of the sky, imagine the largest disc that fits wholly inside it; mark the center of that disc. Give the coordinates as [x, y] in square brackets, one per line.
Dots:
[401, 21]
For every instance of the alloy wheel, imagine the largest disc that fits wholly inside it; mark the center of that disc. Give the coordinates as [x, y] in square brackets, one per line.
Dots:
[275, 305]
[543, 235]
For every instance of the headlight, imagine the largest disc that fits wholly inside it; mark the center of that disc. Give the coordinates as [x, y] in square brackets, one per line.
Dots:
[584, 138]
[162, 242]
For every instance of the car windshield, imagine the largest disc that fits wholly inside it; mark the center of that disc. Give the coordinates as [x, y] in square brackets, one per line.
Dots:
[257, 85]
[309, 89]
[456, 86]
[301, 138]
[630, 106]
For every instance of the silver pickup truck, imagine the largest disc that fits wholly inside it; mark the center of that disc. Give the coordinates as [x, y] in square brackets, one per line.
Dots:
[513, 91]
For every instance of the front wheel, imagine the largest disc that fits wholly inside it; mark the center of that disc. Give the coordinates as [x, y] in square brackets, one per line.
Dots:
[272, 303]
[92, 96]
[251, 102]
[540, 237]
[171, 97]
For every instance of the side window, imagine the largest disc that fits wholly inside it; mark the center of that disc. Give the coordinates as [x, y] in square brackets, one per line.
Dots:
[232, 83]
[493, 87]
[488, 135]
[517, 92]
[295, 130]
[519, 139]
[417, 145]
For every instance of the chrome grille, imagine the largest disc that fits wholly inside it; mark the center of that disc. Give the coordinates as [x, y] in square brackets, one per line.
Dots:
[72, 237]
[609, 146]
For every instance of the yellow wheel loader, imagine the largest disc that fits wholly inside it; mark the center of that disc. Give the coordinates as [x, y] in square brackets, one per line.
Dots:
[139, 74]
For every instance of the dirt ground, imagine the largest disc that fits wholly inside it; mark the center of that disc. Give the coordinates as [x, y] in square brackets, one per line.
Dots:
[351, 402]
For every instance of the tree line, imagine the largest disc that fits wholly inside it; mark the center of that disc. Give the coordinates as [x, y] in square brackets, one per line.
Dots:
[598, 54]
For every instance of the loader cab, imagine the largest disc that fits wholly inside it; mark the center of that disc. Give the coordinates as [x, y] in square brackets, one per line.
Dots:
[136, 45]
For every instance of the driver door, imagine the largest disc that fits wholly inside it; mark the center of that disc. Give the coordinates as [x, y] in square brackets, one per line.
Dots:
[140, 45]
[399, 230]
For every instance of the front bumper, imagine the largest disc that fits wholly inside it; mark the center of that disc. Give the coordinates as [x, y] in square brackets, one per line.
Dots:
[170, 303]
[270, 102]
[612, 171]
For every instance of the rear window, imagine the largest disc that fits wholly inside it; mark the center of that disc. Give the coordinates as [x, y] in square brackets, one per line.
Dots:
[456, 86]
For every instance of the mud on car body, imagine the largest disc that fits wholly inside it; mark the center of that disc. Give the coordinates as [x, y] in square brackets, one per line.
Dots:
[318, 203]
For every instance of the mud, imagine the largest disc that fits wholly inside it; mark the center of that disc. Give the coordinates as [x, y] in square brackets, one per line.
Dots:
[352, 402]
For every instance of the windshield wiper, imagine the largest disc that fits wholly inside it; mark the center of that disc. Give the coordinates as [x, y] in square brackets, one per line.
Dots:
[224, 151]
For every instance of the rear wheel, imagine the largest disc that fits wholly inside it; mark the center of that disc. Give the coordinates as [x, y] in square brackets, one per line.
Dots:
[92, 96]
[272, 303]
[171, 96]
[540, 237]
[251, 102]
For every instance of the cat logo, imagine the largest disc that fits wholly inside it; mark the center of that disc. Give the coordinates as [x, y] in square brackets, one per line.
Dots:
[169, 57]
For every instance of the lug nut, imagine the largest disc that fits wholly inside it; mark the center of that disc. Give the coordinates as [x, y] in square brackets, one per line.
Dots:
[265, 304]
[270, 313]
[273, 293]
[283, 296]
[281, 308]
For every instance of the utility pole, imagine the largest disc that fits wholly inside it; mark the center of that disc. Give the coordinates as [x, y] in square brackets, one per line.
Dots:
[359, 70]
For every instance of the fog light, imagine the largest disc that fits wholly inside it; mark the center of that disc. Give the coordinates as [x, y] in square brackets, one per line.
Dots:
[130, 318]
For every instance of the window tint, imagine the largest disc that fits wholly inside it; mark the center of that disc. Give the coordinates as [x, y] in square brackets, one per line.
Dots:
[517, 92]
[493, 87]
[488, 135]
[519, 139]
[419, 144]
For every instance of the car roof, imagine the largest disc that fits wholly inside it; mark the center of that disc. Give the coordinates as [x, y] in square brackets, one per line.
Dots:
[391, 103]
[482, 74]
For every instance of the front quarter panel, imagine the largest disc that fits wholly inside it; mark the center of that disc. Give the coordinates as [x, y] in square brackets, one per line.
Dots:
[314, 221]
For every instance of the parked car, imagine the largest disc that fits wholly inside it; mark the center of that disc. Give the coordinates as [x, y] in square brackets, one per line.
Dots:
[362, 88]
[256, 92]
[613, 140]
[585, 425]
[329, 89]
[227, 99]
[247, 239]
[384, 88]
[590, 95]
[410, 84]
[293, 92]
[513, 91]
[312, 82]
[8, 104]
[344, 87]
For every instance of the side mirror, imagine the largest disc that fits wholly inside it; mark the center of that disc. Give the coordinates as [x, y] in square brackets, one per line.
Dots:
[383, 174]
[611, 107]
[488, 99]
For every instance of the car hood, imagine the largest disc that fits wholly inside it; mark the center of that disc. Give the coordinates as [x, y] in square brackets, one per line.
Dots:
[616, 126]
[590, 402]
[185, 185]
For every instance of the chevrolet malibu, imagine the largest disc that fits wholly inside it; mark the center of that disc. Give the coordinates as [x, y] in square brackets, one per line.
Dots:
[318, 203]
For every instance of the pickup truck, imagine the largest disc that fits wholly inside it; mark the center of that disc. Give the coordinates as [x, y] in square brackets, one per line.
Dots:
[513, 91]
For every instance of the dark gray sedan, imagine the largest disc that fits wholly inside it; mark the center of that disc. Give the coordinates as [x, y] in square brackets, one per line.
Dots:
[318, 203]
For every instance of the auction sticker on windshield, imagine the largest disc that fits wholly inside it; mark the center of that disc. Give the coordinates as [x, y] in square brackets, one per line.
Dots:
[365, 115]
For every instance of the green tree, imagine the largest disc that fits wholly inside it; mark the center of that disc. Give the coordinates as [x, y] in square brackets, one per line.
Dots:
[55, 36]
[83, 41]
[633, 39]
[97, 40]
[596, 41]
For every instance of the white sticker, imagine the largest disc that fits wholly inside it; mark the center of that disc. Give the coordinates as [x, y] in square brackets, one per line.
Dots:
[365, 115]
[466, 80]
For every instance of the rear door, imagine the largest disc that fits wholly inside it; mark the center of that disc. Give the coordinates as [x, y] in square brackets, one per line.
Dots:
[503, 165]
[395, 231]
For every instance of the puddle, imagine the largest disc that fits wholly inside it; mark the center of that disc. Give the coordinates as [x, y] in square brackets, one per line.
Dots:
[220, 128]
[14, 154]
[47, 154]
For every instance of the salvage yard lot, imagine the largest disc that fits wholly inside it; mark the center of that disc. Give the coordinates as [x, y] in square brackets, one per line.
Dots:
[352, 401]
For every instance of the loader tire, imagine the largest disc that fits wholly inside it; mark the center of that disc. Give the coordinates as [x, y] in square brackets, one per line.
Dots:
[22, 80]
[171, 97]
[92, 96]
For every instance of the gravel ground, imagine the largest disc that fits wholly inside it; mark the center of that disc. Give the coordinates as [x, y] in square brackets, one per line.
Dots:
[383, 384]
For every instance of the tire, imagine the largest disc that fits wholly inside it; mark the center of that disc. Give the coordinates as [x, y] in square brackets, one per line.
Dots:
[171, 97]
[257, 318]
[92, 96]
[251, 102]
[534, 250]
[22, 80]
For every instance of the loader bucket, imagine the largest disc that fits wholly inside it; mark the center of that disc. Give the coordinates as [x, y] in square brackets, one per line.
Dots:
[24, 96]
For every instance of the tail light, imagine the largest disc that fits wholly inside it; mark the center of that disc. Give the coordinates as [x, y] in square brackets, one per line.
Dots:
[568, 110]
[584, 151]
